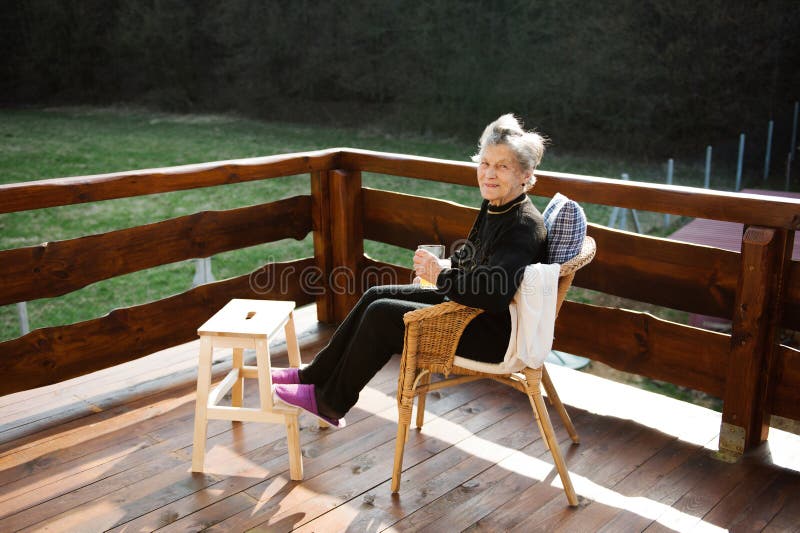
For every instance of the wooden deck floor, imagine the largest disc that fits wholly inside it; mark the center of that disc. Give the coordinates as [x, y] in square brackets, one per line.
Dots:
[111, 451]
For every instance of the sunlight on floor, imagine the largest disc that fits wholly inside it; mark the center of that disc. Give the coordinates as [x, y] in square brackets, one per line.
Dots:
[605, 398]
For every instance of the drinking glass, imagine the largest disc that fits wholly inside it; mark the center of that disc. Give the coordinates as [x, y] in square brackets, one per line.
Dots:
[438, 251]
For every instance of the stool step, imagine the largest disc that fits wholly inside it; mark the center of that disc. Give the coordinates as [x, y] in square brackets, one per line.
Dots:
[249, 414]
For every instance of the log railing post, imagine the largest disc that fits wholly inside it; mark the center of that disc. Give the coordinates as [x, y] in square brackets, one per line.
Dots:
[745, 414]
[347, 240]
[323, 245]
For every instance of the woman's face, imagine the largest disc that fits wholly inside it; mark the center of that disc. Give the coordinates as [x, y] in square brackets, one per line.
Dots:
[500, 176]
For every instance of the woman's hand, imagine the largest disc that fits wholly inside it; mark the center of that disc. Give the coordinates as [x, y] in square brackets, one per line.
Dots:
[426, 266]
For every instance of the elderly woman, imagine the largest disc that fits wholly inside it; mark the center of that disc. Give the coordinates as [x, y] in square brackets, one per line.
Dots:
[508, 235]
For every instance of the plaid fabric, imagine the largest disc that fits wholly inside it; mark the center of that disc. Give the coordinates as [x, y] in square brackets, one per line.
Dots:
[566, 229]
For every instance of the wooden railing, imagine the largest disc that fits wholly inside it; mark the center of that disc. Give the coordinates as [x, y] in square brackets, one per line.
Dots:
[758, 289]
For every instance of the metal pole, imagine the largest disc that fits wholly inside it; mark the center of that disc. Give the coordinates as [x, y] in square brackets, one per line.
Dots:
[636, 224]
[707, 182]
[623, 221]
[769, 149]
[793, 147]
[612, 220]
[670, 169]
[739, 162]
[22, 312]
[788, 169]
[202, 272]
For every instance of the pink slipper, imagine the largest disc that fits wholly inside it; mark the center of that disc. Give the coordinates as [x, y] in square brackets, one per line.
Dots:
[285, 376]
[302, 396]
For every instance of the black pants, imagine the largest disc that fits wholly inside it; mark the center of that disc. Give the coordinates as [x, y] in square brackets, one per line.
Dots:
[373, 331]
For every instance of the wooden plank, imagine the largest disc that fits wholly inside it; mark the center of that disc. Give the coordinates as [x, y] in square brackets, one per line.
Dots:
[347, 241]
[49, 355]
[86, 508]
[429, 482]
[790, 312]
[600, 511]
[56, 268]
[785, 389]
[138, 467]
[782, 493]
[366, 470]
[505, 503]
[499, 496]
[405, 220]
[692, 278]
[788, 517]
[327, 454]
[745, 417]
[81, 189]
[323, 246]
[381, 273]
[732, 505]
[441, 170]
[667, 490]
[687, 201]
[684, 514]
[643, 344]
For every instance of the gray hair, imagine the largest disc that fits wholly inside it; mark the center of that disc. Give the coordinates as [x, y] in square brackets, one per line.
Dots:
[528, 146]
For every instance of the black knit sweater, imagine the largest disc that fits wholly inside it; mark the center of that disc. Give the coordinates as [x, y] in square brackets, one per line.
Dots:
[487, 270]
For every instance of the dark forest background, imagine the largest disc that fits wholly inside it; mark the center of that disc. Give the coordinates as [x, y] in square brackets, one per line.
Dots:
[629, 75]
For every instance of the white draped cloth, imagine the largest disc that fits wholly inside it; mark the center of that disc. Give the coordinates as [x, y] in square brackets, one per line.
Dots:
[533, 318]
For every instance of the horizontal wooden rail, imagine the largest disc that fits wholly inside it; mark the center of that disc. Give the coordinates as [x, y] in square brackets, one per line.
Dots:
[56, 268]
[50, 355]
[640, 343]
[381, 273]
[687, 201]
[678, 275]
[405, 220]
[683, 276]
[25, 196]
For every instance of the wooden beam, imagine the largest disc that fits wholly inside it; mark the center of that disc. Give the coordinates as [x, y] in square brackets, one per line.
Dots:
[381, 273]
[347, 241]
[405, 220]
[687, 201]
[745, 420]
[56, 268]
[678, 275]
[50, 355]
[785, 392]
[790, 313]
[81, 189]
[323, 245]
[642, 344]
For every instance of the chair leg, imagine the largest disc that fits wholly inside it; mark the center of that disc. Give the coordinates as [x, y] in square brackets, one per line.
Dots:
[201, 405]
[555, 401]
[549, 435]
[405, 403]
[424, 381]
[399, 447]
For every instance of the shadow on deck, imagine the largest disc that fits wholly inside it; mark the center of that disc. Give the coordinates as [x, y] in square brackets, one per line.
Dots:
[112, 450]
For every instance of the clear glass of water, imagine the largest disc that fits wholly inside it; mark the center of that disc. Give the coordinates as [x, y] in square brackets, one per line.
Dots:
[438, 251]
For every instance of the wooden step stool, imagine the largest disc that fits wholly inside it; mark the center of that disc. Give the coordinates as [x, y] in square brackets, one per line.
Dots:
[245, 324]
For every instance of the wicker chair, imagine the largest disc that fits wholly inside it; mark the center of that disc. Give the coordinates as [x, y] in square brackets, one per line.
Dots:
[431, 339]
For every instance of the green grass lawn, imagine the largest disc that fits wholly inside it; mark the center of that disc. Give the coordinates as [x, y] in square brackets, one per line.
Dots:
[46, 143]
